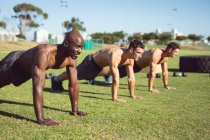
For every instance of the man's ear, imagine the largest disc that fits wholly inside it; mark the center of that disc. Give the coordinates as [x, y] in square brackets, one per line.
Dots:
[131, 50]
[66, 44]
[170, 50]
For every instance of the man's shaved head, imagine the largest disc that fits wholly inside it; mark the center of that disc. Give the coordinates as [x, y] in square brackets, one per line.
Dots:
[75, 37]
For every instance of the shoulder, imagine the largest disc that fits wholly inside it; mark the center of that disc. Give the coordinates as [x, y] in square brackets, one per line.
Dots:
[116, 51]
[156, 52]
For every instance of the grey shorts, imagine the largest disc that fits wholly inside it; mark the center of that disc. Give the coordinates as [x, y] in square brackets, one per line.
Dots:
[10, 71]
[88, 69]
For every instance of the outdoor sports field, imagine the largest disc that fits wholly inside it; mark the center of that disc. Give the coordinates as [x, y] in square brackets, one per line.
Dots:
[183, 113]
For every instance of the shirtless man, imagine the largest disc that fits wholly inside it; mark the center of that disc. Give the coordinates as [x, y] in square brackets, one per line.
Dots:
[150, 58]
[18, 67]
[93, 64]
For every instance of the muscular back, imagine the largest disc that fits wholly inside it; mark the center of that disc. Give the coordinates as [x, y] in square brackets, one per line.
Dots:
[153, 55]
[110, 56]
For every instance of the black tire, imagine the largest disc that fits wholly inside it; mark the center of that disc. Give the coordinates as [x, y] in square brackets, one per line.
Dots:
[199, 64]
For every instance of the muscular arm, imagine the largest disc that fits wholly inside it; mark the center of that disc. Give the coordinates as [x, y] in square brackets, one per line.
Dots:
[73, 89]
[154, 58]
[38, 81]
[165, 74]
[131, 79]
[114, 62]
[115, 82]
[152, 76]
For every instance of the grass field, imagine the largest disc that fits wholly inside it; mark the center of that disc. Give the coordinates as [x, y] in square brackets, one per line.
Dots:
[173, 114]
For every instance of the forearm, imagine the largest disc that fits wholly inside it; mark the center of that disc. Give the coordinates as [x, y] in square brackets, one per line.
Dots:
[74, 95]
[38, 105]
[115, 87]
[151, 82]
[131, 85]
[165, 79]
[38, 79]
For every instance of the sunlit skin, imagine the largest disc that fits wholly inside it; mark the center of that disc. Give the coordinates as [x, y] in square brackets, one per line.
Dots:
[152, 58]
[159, 56]
[42, 57]
[114, 57]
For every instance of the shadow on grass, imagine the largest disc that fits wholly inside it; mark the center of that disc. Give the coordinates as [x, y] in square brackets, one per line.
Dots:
[2, 113]
[86, 92]
[97, 83]
[25, 104]
[65, 92]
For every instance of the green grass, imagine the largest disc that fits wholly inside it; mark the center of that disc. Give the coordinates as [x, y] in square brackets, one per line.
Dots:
[174, 114]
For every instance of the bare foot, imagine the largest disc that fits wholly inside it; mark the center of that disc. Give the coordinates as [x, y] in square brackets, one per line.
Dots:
[119, 100]
[173, 88]
[78, 113]
[155, 91]
[47, 122]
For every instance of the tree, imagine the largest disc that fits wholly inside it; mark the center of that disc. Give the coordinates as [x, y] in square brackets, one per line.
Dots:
[74, 24]
[195, 37]
[28, 16]
[164, 38]
[137, 36]
[180, 38]
[149, 36]
[3, 24]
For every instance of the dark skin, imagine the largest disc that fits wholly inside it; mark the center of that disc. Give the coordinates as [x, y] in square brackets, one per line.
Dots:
[42, 57]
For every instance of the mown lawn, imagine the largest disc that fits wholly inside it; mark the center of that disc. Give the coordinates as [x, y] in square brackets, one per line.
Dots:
[183, 113]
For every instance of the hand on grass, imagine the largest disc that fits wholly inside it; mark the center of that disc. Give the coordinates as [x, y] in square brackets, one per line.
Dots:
[154, 91]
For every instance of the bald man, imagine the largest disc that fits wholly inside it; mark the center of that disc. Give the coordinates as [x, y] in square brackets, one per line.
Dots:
[19, 66]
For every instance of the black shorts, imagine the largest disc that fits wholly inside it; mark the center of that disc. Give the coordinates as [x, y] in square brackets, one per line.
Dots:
[88, 69]
[123, 71]
[11, 72]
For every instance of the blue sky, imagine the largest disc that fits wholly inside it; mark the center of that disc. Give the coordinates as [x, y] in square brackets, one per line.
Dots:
[188, 16]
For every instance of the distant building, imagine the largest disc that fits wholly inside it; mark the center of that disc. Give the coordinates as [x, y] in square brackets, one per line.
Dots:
[41, 36]
[8, 36]
[174, 33]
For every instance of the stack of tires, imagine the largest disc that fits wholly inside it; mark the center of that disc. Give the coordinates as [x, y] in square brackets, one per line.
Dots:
[198, 64]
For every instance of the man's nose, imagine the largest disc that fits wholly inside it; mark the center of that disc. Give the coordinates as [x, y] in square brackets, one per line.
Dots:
[79, 50]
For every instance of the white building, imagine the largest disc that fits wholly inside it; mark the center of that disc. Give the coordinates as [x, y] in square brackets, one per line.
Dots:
[8, 36]
[41, 36]
[174, 33]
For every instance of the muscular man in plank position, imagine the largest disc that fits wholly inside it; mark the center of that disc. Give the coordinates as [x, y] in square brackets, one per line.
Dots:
[93, 64]
[150, 58]
[19, 66]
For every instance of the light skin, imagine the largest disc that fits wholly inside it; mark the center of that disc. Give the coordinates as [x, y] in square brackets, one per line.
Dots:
[152, 58]
[114, 57]
[42, 57]
[159, 56]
